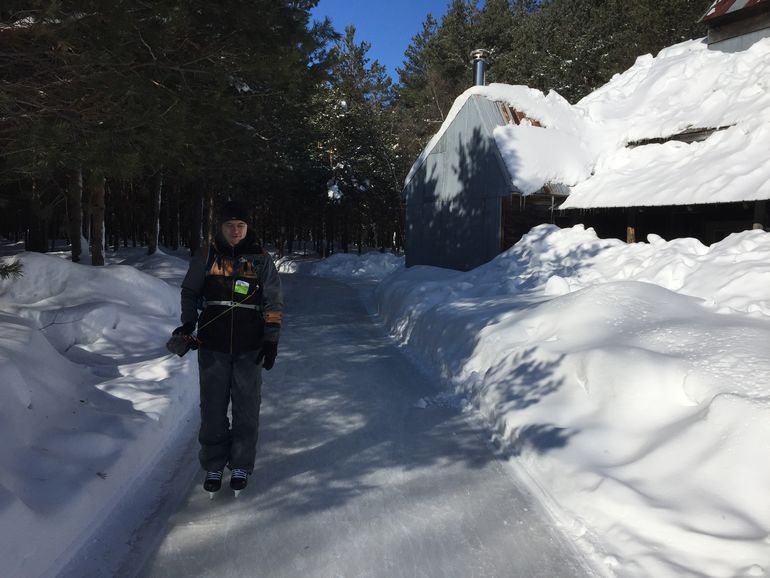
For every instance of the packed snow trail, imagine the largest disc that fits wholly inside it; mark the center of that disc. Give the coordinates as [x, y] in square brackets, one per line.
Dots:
[356, 475]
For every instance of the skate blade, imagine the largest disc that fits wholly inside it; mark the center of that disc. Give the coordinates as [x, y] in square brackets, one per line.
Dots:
[211, 495]
[237, 493]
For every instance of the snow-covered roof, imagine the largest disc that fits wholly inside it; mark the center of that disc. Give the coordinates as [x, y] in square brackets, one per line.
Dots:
[684, 87]
[537, 106]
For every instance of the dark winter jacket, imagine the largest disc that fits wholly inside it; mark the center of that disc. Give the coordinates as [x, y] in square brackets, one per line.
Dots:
[222, 276]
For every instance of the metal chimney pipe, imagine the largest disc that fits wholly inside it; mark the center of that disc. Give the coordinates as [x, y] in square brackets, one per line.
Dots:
[480, 61]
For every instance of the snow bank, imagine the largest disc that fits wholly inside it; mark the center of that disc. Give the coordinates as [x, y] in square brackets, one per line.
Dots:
[90, 399]
[730, 276]
[629, 380]
[373, 266]
[684, 87]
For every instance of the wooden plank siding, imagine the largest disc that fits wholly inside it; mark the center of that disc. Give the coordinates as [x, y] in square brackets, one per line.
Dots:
[734, 25]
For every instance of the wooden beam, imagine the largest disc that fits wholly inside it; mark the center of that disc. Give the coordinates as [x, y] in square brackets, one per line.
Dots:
[631, 226]
[760, 215]
[723, 30]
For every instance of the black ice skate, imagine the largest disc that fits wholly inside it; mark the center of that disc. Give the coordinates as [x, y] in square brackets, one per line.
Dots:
[238, 480]
[213, 482]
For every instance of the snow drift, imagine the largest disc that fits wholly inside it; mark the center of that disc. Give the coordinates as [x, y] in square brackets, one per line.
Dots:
[90, 399]
[368, 267]
[629, 380]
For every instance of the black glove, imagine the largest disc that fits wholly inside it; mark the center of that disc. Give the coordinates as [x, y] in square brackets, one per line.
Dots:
[186, 329]
[179, 344]
[268, 353]
[182, 339]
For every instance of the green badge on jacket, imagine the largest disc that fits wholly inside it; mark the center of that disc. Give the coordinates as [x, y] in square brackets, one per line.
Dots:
[241, 287]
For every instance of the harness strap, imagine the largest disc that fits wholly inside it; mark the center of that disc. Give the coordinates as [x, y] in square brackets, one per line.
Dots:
[233, 304]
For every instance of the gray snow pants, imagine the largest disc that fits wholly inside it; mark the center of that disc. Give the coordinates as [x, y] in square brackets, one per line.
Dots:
[224, 377]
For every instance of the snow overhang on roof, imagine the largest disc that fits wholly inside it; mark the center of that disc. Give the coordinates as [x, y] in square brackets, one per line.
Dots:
[731, 165]
[686, 88]
[529, 169]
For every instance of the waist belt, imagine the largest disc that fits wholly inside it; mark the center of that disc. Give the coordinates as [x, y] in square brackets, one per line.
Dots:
[233, 304]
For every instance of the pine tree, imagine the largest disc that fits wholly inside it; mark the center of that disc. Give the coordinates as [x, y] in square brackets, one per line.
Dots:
[206, 92]
[353, 125]
[421, 99]
[12, 270]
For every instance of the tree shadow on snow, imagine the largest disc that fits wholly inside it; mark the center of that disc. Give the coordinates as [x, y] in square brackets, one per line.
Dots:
[540, 438]
[345, 418]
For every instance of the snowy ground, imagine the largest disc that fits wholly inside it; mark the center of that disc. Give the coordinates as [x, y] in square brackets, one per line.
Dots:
[364, 469]
[347, 266]
[91, 402]
[631, 381]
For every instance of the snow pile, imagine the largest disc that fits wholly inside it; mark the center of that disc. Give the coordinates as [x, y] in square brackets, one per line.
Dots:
[292, 264]
[373, 266]
[535, 156]
[644, 416]
[370, 266]
[90, 399]
[730, 276]
[631, 381]
[684, 87]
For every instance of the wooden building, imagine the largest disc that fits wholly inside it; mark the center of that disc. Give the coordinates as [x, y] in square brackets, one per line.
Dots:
[461, 207]
[707, 222]
[735, 25]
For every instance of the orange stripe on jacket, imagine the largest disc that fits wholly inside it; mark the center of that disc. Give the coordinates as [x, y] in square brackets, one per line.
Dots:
[224, 267]
[273, 317]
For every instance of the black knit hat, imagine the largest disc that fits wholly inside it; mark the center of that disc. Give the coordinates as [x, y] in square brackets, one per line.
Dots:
[234, 211]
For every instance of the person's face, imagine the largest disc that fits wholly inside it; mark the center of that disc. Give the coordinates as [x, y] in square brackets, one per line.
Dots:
[234, 231]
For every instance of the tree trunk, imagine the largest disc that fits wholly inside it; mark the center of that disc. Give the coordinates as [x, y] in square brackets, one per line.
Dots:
[167, 217]
[97, 214]
[196, 217]
[86, 202]
[263, 218]
[290, 241]
[345, 226]
[173, 217]
[118, 220]
[360, 234]
[75, 211]
[156, 190]
[37, 239]
[209, 219]
[329, 232]
[132, 212]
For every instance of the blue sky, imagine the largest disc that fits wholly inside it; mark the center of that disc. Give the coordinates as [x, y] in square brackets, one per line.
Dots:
[387, 25]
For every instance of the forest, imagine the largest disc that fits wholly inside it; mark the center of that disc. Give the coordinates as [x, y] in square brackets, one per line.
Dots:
[125, 123]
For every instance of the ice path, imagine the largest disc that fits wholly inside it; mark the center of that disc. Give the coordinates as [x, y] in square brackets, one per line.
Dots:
[357, 476]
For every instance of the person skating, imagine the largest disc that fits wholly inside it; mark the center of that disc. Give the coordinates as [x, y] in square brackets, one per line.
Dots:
[238, 333]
